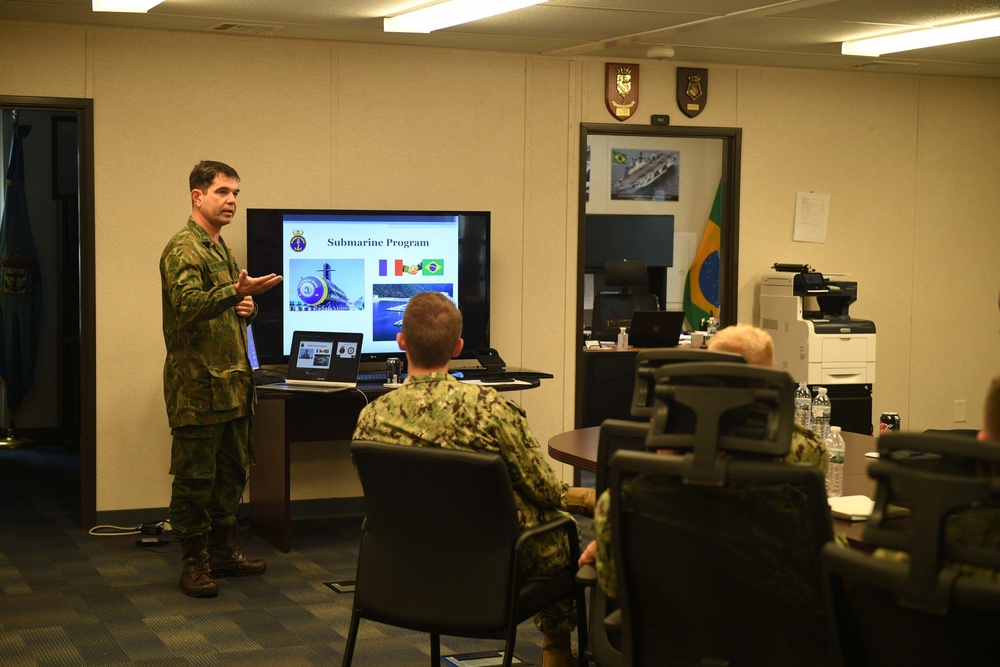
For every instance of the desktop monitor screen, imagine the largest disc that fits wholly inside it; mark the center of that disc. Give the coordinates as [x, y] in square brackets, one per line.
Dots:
[355, 271]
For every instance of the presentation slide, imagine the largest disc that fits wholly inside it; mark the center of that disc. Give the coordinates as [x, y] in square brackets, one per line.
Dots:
[348, 275]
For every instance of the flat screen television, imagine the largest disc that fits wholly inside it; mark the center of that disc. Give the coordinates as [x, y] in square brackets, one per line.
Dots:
[352, 270]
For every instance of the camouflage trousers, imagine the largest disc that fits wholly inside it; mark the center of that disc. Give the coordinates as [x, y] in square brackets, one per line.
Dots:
[543, 557]
[209, 464]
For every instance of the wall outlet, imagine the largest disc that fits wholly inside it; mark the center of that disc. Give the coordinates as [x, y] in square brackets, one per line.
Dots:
[960, 411]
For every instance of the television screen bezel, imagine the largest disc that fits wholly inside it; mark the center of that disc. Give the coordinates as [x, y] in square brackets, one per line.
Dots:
[264, 234]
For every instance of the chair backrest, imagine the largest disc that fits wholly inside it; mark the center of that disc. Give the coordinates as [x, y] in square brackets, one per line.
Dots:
[706, 408]
[647, 362]
[615, 435]
[937, 500]
[438, 536]
[613, 311]
[726, 574]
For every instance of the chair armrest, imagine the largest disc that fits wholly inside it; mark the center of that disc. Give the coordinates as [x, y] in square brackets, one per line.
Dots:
[566, 523]
[586, 576]
[613, 621]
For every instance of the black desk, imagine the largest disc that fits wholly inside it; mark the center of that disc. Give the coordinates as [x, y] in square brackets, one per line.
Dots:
[605, 384]
[283, 418]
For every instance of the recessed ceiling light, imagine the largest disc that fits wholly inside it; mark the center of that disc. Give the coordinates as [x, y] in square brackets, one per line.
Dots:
[922, 38]
[132, 6]
[451, 12]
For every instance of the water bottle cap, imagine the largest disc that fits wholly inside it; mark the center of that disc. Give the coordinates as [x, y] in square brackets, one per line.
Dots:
[821, 390]
[834, 429]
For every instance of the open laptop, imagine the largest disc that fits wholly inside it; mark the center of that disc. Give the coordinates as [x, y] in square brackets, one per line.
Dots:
[321, 361]
[655, 328]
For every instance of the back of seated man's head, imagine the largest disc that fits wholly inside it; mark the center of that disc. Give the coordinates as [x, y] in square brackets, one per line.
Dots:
[991, 412]
[432, 327]
[753, 343]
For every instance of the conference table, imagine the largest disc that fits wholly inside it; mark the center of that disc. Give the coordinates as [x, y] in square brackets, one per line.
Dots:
[578, 448]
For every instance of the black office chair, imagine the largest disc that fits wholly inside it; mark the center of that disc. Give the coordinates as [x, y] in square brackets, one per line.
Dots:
[717, 545]
[605, 644]
[440, 546]
[929, 608]
[647, 362]
[615, 435]
[613, 311]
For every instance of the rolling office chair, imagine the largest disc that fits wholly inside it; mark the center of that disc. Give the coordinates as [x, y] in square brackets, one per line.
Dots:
[440, 547]
[647, 362]
[717, 546]
[605, 638]
[612, 311]
[930, 608]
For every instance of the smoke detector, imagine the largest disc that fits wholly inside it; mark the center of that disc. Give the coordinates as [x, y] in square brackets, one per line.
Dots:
[660, 52]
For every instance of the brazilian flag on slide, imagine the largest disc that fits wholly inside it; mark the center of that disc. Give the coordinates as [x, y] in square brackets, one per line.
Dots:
[701, 288]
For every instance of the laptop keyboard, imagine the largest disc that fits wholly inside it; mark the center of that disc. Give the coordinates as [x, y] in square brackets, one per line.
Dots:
[267, 378]
[376, 377]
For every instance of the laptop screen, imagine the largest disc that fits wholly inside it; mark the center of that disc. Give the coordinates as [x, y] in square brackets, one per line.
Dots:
[324, 356]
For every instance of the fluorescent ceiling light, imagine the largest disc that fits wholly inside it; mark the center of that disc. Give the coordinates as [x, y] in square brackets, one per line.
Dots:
[922, 38]
[132, 6]
[451, 12]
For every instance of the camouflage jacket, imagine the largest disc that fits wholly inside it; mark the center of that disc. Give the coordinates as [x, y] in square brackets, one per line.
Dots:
[207, 377]
[806, 449]
[436, 410]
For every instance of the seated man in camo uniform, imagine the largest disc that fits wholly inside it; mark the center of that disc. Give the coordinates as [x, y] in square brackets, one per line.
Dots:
[434, 409]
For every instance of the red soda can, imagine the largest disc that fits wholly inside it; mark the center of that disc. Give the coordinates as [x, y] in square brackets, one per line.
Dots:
[889, 421]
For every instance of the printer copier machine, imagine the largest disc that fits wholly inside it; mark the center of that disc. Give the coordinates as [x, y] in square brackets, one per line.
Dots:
[818, 342]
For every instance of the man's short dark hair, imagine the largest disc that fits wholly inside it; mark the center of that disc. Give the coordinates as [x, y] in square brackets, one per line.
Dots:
[432, 326]
[204, 173]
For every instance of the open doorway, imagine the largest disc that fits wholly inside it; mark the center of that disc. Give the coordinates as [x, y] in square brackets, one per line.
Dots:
[58, 414]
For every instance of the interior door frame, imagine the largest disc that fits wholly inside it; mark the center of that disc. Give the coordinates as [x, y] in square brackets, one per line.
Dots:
[84, 110]
[732, 138]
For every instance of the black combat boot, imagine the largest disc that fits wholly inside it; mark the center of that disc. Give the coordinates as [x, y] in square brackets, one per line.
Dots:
[196, 578]
[226, 560]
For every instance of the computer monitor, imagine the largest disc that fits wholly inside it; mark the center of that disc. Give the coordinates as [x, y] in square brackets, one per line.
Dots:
[355, 270]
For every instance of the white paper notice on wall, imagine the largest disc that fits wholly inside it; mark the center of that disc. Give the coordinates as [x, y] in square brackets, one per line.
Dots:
[812, 212]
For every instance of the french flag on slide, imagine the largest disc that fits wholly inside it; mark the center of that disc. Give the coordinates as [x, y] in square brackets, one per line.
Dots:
[398, 268]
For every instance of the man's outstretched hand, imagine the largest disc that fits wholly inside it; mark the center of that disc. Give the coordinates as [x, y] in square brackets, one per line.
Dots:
[247, 286]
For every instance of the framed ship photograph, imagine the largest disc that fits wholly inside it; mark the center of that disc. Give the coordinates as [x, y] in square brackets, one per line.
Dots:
[645, 175]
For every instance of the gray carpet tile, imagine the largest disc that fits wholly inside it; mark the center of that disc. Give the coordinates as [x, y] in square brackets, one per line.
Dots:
[70, 598]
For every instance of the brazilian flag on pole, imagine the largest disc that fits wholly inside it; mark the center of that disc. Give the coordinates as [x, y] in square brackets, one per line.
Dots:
[701, 289]
[20, 282]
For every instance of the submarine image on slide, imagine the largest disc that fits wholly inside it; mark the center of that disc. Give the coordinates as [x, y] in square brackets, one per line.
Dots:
[322, 293]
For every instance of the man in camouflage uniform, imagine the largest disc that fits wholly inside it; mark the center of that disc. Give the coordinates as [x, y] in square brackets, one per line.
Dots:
[757, 348]
[433, 409]
[207, 381]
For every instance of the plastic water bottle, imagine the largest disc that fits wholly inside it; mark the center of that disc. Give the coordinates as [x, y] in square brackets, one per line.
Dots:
[803, 405]
[821, 414]
[835, 471]
[622, 338]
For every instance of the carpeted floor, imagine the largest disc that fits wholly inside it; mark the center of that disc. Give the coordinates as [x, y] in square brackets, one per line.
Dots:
[71, 598]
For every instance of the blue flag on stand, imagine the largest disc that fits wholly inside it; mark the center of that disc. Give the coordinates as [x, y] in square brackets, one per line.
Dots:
[20, 282]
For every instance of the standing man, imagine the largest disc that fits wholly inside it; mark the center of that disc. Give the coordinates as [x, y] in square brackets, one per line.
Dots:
[208, 382]
[433, 409]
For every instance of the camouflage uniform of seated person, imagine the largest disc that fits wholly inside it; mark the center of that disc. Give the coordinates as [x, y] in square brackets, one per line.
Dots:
[978, 526]
[757, 348]
[433, 409]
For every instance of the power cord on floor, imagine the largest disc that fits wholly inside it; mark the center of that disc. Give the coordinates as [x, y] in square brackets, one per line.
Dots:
[151, 533]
